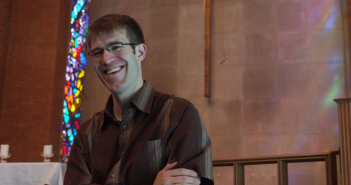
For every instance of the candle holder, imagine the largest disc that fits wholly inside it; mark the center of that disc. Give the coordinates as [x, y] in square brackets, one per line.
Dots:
[4, 153]
[47, 157]
[47, 153]
[4, 158]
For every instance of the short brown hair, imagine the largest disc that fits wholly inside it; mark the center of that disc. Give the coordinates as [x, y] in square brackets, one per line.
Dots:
[112, 22]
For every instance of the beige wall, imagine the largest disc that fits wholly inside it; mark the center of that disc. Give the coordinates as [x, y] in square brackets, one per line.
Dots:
[276, 66]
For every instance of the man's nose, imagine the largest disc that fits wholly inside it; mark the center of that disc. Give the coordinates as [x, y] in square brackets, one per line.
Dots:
[107, 56]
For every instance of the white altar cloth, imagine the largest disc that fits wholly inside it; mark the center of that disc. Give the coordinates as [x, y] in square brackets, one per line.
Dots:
[40, 173]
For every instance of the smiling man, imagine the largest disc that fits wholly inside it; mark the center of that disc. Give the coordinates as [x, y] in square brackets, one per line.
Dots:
[142, 137]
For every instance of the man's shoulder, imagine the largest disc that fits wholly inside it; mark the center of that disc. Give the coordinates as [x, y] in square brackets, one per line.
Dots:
[177, 105]
[92, 123]
[176, 101]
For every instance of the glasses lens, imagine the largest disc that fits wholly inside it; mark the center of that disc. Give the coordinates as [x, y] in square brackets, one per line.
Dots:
[115, 47]
[96, 52]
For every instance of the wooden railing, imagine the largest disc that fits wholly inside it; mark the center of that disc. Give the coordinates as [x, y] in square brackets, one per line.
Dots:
[282, 165]
[344, 114]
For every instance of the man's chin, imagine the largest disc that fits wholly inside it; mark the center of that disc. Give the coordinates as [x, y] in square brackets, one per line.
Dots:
[116, 89]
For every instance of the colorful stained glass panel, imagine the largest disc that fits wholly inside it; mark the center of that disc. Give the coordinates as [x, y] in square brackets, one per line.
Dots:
[75, 76]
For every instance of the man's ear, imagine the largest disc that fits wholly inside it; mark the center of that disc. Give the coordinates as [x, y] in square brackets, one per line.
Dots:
[140, 51]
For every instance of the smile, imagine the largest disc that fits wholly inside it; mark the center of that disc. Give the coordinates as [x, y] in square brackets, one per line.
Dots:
[114, 70]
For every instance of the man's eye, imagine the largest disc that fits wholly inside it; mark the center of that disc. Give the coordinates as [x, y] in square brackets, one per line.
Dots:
[115, 47]
[97, 52]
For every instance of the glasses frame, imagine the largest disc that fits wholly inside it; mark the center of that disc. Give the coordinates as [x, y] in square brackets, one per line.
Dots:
[109, 48]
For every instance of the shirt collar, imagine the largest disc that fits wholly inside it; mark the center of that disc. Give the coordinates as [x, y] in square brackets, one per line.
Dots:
[144, 98]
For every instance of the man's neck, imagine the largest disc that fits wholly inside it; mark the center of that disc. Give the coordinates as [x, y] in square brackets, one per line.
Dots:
[121, 99]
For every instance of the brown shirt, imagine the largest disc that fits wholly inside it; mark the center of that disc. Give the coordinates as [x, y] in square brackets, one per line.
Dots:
[156, 129]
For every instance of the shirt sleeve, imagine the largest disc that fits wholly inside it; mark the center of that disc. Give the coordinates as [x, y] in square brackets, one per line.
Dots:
[78, 172]
[190, 145]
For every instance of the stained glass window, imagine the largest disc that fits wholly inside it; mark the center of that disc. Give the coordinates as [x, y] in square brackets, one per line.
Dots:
[75, 75]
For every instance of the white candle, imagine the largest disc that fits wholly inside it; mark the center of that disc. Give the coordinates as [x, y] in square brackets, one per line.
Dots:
[47, 150]
[4, 150]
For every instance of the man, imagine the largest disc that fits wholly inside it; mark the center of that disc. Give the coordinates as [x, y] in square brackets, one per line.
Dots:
[143, 136]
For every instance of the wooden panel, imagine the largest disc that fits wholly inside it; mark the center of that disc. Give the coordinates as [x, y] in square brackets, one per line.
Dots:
[331, 169]
[239, 174]
[207, 11]
[282, 172]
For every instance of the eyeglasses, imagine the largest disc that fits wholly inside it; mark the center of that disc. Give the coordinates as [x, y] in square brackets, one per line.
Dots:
[113, 48]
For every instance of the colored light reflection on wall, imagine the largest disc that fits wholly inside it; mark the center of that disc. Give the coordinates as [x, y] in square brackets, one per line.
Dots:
[75, 76]
[329, 26]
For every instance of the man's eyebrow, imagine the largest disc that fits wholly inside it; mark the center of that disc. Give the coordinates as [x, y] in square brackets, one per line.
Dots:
[108, 45]
[113, 43]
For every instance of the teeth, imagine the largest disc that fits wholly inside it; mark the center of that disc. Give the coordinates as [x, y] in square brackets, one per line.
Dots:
[110, 71]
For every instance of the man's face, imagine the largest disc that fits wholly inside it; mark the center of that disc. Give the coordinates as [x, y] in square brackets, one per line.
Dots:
[120, 67]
